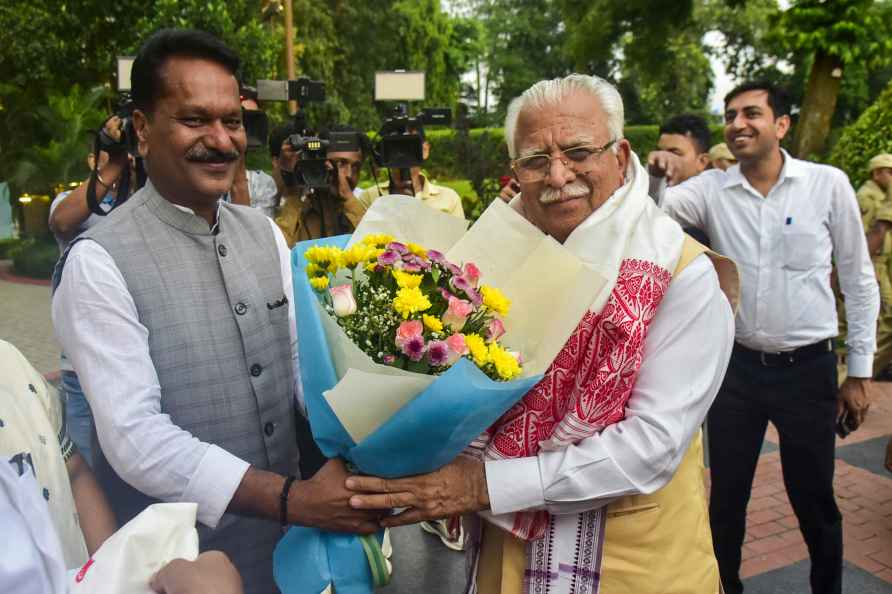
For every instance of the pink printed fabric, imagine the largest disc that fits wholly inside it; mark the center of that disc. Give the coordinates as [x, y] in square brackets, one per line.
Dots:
[587, 386]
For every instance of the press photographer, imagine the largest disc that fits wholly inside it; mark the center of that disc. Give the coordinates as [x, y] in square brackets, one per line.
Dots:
[328, 166]
[402, 150]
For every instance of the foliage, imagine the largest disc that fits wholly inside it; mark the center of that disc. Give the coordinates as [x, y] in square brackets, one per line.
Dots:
[870, 135]
[848, 29]
[236, 22]
[62, 158]
[35, 258]
[7, 245]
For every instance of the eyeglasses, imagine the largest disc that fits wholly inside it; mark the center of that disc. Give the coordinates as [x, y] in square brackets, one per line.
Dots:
[579, 159]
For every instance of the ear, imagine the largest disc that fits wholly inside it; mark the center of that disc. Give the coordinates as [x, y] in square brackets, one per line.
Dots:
[623, 154]
[425, 150]
[703, 162]
[142, 125]
[782, 126]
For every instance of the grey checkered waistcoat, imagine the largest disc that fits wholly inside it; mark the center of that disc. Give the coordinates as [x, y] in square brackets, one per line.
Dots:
[219, 340]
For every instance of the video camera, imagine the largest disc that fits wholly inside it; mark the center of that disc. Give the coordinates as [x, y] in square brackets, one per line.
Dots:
[311, 169]
[314, 154]
[402, 136]
[401, 144]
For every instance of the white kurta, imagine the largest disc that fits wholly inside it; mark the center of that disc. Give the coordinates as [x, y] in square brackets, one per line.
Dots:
[686, 354]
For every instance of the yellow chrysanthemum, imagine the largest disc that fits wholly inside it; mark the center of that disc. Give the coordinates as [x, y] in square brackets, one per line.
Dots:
[312, 269]
[404, 280]
[495, 300]
[320, 283]
[477, 348]
[327, 257]
[409, 301]
[431, 323]
[506, 365]
[377, 239]
[417, 249]
[357, 254]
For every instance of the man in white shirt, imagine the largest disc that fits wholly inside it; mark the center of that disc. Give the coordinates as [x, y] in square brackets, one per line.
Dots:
[594, 479]
[782, 220]
[177, 316]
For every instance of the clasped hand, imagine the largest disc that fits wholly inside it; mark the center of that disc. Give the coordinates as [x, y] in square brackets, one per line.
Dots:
[334, 500]
[457, 488]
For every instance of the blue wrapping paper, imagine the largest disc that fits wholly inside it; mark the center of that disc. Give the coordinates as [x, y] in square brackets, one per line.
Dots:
[424, 435]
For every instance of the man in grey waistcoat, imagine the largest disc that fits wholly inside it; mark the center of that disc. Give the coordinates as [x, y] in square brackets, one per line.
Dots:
[177, 312]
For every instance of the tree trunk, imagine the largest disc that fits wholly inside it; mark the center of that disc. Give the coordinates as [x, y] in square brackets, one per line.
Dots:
[817, 109]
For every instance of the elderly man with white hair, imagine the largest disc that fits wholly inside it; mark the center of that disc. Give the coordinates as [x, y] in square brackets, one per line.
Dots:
[594, 480]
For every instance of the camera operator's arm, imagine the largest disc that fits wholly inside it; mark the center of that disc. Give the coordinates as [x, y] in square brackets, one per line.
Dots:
[67, 216]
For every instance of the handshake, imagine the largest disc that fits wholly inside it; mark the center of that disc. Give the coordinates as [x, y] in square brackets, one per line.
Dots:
[337, 501]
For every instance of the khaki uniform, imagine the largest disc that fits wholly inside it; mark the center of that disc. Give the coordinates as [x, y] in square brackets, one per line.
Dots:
[439, 197]
[876, 205]
[313, 217]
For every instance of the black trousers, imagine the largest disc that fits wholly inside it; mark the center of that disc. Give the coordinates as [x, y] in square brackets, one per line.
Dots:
[800, 401]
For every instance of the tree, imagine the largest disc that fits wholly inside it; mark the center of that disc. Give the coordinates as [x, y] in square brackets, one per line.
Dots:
[869, 136]
[837, 35]
[653, 49]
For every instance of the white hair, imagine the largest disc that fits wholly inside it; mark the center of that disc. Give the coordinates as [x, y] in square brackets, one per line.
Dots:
[551, 92]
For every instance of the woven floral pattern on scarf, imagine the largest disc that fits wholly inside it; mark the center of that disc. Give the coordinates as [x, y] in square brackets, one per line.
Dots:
[587, 386]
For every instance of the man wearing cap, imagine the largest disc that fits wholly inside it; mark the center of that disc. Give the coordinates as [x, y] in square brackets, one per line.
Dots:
[875, 200]
[720, 156]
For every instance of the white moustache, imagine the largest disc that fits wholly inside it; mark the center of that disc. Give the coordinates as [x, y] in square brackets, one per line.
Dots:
[574, 189]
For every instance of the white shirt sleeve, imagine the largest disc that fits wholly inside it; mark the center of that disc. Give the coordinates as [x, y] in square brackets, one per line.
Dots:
[857, 277]
[288, 288]
[96, 322]
[688, 347]
[687, 202]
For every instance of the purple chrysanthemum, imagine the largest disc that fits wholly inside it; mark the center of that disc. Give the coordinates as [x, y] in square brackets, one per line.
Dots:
[388, 258]
[474, 297]
[436, 256]
[438, 352]
[398, 247]
[389, 359]
[460, 283]
[414, 348]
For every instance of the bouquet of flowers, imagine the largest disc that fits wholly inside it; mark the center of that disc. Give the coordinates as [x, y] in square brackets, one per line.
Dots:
[408, 353]
[411, 308]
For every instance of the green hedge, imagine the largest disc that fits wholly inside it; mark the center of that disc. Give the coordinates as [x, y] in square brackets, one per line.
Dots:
[35, 258]
[448, 162]
[7, 245]
[870, 135]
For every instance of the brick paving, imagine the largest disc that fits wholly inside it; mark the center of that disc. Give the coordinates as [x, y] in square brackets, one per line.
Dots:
[773, 551]
[773, 540]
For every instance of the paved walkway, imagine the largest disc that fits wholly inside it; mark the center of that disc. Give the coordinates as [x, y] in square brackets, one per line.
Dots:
[775, 557]
[25, 321]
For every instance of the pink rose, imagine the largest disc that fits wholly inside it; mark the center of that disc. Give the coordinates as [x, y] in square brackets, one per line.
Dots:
[342, 300]
[457, 313]
[407, 331]
[495, 330]
[457, 344]
[472, 273]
